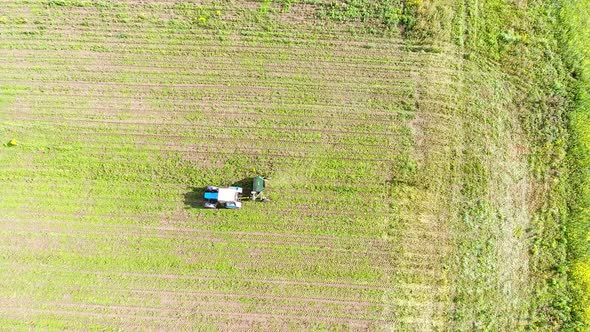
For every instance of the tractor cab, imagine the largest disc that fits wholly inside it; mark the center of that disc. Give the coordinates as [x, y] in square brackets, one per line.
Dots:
[228, 198]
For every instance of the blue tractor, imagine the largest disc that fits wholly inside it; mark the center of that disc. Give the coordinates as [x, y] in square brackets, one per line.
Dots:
[228, 198]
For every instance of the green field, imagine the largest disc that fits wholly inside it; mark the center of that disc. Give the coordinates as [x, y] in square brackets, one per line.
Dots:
[428, 165]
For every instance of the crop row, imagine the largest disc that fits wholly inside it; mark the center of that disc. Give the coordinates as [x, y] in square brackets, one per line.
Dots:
[195, 231]
[213, 150]
[249, 128]
[200, 51]
[208, 89]
[218, 76]
[210, 126]
[282, 36]
[204, 90]
[176, 258]
[215, 119]
[248, 275]
[249, 112]
[226, 58]
[293, 68]
[82, 20]
[44, 99]
[201, 98]
[368, 247]
[76, 242]
[213, 282]
[175, 316]
[205, 229]
[290, 222]
[317, 183]
[354, 246]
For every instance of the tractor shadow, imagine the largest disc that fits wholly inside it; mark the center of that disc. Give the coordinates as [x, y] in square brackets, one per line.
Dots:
[194, 199]
[246, 184]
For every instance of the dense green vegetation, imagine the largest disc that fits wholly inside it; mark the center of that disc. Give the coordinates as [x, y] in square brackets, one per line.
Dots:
[575, 16]
[428, 161]
[544, 50]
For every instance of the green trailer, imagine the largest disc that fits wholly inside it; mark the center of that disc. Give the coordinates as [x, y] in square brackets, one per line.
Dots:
[258, 185]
